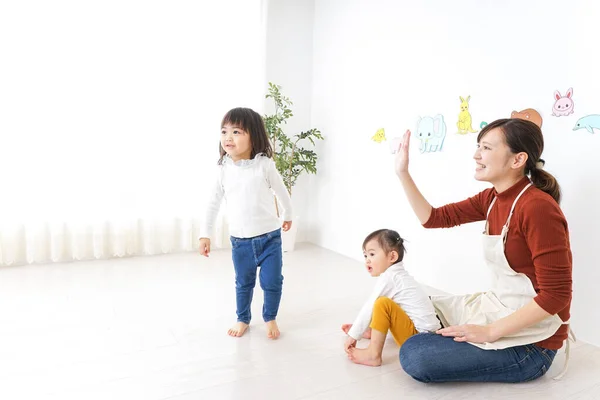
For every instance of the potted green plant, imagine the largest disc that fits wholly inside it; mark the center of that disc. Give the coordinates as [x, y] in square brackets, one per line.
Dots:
[289, 153]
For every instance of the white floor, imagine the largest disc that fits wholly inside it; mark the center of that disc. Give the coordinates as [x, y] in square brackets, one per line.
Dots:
[155, 328]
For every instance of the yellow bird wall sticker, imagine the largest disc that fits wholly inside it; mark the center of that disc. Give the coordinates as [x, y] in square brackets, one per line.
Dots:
[379, 136]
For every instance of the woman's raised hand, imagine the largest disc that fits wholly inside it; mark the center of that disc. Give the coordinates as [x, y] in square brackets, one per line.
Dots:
[402, 154]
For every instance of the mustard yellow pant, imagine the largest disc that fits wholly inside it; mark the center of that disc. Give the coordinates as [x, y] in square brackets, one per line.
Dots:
[389, 316]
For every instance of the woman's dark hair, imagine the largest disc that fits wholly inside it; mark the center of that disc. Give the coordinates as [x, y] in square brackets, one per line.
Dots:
[525, 136]
[251, 122]
[389, 240]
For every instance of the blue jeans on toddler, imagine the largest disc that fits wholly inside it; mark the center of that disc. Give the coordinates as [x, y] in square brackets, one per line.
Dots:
[248, 254]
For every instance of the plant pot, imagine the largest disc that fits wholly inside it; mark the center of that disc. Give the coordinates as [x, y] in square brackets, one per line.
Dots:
[288, 239]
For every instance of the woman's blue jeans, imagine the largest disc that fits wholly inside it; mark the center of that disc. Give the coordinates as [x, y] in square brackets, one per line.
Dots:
[248, 254]
[429, 357]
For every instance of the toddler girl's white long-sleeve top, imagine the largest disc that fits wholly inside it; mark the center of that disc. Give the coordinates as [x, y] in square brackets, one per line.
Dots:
[248, 187]
[397, 284]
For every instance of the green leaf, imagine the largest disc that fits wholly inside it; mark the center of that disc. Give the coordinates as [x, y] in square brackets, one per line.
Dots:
[290, 156]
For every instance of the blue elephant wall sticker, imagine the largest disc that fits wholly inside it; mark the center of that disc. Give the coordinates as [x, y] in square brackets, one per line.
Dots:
[431, 131]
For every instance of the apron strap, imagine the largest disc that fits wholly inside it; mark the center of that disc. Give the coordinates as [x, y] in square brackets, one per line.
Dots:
[490, 208]
[512, 209]
[488, 214]
[570, 338]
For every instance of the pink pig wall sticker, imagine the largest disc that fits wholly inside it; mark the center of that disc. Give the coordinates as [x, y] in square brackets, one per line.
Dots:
[563, 105]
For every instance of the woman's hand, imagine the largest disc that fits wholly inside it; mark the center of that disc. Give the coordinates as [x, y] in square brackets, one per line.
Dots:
[286, 225]
[470, 333]
[402, 154]
[419, 204]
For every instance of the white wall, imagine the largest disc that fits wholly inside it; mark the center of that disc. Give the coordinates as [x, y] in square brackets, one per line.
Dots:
[111, 111]
[113, 82]
[383, 63]
[289, 64]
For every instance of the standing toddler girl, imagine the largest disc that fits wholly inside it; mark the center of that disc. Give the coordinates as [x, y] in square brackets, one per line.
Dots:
[247, 180]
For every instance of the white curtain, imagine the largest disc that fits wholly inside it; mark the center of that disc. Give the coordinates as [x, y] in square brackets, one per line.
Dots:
[110, 117]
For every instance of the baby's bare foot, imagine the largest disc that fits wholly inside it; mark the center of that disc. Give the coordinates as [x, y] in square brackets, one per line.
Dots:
[238, 329]
[272, 330]
[364, 356]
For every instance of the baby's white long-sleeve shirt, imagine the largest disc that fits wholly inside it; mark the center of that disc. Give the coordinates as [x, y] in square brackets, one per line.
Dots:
[248, 187]
[397, 284]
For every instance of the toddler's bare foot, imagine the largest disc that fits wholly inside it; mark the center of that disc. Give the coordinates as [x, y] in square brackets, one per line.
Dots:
[272, 329]
[366, 335]
[238, 329]
[365, 357]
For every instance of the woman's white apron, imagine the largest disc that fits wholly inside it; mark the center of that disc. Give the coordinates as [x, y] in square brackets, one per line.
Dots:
[510, 291]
